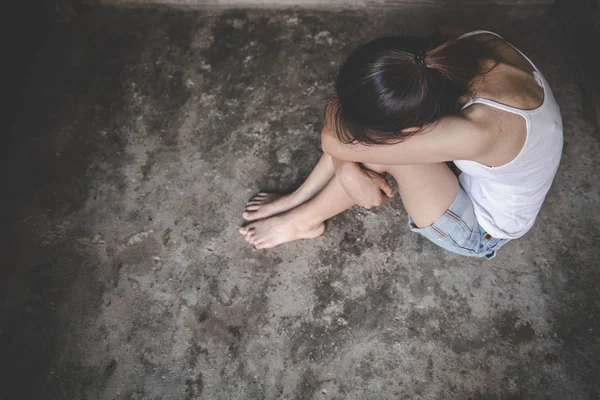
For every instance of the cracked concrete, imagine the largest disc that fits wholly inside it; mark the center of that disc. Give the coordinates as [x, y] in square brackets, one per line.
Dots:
[144, 133]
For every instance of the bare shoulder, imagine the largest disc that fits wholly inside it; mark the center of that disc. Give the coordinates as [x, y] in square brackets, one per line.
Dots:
[453, 32]
[501, 135]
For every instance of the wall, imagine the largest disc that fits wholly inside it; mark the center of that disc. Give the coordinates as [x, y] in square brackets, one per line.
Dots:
[321, 3]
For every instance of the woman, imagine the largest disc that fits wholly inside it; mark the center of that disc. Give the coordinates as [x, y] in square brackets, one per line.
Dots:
[406, 106]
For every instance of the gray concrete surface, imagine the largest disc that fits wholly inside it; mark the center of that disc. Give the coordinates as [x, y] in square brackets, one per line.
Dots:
[143, 134]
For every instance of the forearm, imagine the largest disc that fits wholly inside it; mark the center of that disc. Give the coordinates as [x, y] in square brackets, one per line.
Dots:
[451, 138]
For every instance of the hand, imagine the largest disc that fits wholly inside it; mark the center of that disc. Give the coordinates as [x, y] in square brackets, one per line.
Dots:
[367, 188]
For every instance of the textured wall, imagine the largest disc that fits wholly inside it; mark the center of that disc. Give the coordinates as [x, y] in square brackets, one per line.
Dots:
[324, 3]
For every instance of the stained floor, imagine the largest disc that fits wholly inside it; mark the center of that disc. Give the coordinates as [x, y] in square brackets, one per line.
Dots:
[144, 132]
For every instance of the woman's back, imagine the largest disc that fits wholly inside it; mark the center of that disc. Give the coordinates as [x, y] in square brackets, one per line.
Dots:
[508, 184]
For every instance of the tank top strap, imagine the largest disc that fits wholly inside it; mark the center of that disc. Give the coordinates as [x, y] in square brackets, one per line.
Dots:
[478, 32]
[495, 104]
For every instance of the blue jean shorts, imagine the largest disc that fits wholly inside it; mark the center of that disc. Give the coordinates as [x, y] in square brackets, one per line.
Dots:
[458, 230]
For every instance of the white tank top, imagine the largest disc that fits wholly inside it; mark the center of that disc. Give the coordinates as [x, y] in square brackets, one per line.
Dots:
[508, 198]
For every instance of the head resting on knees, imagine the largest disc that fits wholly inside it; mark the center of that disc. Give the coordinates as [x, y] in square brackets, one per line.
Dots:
[391, 87]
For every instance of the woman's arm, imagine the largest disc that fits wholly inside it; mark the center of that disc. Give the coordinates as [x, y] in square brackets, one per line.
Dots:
[452, 138]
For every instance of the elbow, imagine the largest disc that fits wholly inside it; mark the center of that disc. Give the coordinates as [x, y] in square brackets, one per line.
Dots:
[325, 142]
[326, 150]
[328, 143]
[332, 146]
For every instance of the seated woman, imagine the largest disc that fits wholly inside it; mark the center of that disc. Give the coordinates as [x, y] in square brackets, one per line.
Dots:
[407, 106]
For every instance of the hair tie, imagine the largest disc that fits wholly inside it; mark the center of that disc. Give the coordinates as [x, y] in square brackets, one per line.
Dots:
[420, 59]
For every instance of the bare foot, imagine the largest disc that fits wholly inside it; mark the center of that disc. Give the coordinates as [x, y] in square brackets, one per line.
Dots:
[271, 232]
[264, 205]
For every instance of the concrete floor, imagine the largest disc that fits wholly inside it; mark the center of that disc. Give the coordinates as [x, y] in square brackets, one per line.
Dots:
[143, 134]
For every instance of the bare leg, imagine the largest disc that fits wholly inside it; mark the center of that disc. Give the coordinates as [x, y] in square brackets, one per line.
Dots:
[427, 190]
[302, 222]
[266, 204]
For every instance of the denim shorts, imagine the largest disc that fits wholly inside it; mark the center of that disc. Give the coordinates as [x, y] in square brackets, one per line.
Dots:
[458, 230]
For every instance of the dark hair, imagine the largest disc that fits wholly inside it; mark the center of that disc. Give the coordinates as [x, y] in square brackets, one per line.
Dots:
[393, 83]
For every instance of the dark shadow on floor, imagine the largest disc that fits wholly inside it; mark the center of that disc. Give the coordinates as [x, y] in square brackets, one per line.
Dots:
[142, 134]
